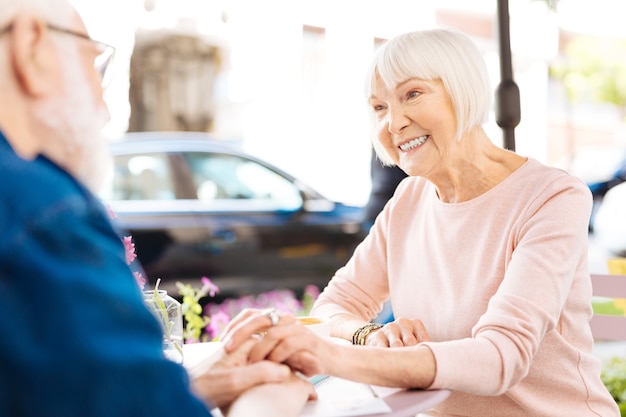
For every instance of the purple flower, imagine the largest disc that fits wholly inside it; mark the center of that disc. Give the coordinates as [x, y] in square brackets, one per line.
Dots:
[218, 322]
[312, 291]
[208, 286]
[283, 300]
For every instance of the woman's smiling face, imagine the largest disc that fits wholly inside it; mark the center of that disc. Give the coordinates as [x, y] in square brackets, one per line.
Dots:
[415, 123]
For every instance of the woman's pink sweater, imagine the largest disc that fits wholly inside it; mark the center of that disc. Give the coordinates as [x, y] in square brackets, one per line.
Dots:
[502, 285]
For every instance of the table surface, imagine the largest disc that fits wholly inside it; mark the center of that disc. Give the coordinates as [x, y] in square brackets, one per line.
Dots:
[341, 397]
[407, 403]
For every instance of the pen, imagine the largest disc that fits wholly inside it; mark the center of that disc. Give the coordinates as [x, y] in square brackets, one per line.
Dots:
[317, 379]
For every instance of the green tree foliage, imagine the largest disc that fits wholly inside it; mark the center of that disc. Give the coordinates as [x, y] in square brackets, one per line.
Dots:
[614, 378]
[594, 68]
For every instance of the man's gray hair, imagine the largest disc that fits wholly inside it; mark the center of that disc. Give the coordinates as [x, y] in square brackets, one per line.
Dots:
[58, 12]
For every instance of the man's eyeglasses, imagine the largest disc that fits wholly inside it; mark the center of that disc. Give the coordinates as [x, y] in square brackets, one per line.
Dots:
[105, 52]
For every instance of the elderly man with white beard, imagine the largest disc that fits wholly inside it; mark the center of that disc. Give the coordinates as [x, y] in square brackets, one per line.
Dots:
[77, 338]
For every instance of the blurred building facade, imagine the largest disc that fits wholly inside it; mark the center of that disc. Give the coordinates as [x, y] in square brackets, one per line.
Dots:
[172, 79]
[285, 77]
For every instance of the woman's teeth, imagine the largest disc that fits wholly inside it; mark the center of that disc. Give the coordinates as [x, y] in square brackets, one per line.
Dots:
[412, 144]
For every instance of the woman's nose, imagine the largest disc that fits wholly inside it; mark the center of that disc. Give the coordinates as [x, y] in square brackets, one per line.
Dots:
[396, 120]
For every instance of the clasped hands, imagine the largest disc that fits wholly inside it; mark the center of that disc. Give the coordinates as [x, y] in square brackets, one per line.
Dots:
[264, 348]
[260, 367]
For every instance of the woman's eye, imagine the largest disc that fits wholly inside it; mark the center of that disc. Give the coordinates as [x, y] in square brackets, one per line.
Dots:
[378, 107]
[413, 94]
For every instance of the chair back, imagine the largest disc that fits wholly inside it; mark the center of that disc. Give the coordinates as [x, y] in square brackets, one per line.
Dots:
[607, 327]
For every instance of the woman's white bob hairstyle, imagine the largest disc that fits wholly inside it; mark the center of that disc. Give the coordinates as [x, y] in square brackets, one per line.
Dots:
[436, 54]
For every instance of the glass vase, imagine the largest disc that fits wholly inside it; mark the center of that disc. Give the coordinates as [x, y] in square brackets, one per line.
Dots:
[168, 312]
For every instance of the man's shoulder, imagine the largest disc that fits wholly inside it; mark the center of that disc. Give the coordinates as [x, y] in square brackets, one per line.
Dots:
[32, 185]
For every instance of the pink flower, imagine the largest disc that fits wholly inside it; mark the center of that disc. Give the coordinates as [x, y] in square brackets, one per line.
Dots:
[129, 246]
[312, 291]
[207, 285]
[141, 281]
[112, 214]
[218, 322]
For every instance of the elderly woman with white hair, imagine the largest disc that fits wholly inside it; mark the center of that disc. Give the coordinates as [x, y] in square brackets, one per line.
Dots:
[481, 251]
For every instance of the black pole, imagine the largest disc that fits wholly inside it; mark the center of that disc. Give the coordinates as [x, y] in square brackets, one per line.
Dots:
[508, 112]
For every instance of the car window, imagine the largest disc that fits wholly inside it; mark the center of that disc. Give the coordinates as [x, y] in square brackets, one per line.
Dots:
[220, 176]
[140, 177]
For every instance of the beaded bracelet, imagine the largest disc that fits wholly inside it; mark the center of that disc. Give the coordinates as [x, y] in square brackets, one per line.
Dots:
[358, 338]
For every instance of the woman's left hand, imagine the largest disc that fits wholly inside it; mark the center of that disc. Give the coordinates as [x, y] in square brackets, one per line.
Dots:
[251, 322]
[401, 332]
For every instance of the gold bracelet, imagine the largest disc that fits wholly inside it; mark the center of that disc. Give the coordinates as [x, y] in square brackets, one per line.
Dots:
[358, 338]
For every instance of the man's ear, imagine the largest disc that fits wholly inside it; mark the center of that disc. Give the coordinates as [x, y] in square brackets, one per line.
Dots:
[32, 56]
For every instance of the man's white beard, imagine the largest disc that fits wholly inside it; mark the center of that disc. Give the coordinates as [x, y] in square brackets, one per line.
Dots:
[75, 123]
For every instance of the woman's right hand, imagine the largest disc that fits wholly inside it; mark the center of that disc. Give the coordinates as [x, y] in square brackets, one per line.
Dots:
[260, 401]
[232, 375]
[401, 332]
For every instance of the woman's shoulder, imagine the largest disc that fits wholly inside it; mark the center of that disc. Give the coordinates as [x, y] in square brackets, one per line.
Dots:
[534, 170]
[535, 184]
[414, 184]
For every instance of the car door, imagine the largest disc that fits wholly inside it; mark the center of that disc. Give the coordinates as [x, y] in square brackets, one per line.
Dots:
[257, 231]
[149, 196]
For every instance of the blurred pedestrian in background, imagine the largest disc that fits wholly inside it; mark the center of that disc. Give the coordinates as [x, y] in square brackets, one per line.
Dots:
[385, 179]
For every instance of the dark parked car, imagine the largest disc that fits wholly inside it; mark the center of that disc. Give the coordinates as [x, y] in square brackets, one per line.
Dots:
[610, 221]
[198, 207]
[602, 167]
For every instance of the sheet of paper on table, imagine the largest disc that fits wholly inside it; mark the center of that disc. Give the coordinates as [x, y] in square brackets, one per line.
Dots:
[339, 397]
